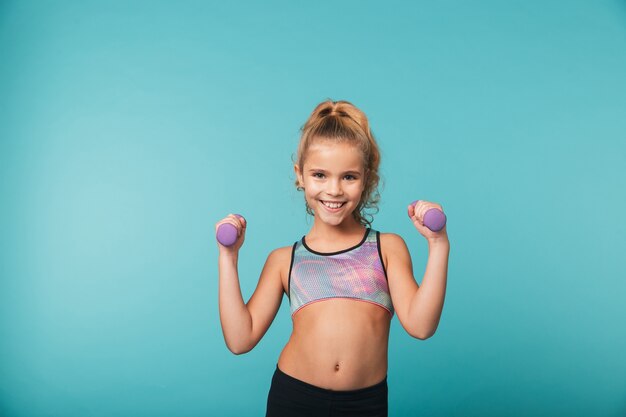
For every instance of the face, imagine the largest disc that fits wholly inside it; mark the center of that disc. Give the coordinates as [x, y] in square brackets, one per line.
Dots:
[333, 179]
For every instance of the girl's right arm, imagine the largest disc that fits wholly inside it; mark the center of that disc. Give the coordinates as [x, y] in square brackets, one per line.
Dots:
[243, 325]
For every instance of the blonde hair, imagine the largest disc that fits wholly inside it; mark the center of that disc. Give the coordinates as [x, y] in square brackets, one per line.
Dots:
[342, 122]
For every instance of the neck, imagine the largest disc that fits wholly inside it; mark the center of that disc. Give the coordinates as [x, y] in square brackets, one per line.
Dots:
[347, 228]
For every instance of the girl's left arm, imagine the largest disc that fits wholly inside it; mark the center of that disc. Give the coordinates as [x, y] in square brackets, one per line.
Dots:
[418, 307]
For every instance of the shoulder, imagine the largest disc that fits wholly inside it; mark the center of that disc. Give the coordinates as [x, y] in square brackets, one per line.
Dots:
[391, 242]
[393, 249]
[278, 263]
[280, 255]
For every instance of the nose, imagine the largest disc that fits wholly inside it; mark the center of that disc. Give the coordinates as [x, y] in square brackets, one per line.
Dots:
[334, 187]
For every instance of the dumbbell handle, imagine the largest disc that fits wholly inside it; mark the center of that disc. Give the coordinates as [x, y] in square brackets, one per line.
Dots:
[227, 233]
[434, 218]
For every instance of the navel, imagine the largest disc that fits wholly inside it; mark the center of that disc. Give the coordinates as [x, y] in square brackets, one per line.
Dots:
[337, 367]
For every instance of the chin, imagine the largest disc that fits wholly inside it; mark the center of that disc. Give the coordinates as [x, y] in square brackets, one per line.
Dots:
[333, 221]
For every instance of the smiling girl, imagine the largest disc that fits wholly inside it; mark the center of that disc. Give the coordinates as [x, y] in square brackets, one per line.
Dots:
[344, 280]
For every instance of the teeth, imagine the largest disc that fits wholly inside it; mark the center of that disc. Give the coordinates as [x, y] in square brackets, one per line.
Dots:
[332, 205]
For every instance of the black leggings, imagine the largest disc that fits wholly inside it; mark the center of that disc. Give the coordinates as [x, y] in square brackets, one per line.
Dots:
[291, 397]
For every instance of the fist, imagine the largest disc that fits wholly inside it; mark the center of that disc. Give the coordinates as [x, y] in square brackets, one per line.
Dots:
[436, 220]
[230, 232]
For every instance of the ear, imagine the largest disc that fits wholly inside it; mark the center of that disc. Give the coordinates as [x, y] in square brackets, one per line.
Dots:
[299, 178]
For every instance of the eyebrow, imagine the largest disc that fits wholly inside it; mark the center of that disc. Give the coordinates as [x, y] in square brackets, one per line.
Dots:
[324, 171]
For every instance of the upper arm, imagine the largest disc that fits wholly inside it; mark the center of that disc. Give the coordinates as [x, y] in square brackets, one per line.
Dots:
[266, 299]
[402, 284]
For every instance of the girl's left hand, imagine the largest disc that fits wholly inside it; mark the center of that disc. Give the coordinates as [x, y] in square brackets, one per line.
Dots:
[416, 213]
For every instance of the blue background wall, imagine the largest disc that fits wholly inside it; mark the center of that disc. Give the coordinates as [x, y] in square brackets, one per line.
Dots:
[128, 130]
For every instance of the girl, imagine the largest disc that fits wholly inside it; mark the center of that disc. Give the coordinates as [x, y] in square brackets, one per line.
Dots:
[344, 279]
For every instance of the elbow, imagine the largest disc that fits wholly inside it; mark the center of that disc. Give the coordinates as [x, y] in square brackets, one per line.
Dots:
[239, 351]
[238, 348]
[421, 334]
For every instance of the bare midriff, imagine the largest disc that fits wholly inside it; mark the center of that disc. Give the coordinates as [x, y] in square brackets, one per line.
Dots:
[338, 344]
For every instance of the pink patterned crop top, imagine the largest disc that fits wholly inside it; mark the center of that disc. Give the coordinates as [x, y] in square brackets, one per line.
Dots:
[357, 273]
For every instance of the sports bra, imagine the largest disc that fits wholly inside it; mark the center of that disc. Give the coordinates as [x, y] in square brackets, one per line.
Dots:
[357, 273]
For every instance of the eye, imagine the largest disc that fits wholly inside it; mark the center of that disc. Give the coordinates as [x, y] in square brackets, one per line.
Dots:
[318, 175]
[350, 177]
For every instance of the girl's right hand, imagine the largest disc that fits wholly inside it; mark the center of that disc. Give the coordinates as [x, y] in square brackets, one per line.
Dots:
[240, 224]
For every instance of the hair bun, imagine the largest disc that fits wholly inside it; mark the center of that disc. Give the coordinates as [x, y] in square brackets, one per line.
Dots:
[325, 112]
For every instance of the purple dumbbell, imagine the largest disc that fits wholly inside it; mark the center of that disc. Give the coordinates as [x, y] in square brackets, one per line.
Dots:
[434, 218]
[227, 233]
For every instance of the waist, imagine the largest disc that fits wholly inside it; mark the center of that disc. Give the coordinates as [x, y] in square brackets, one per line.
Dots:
[281, 377]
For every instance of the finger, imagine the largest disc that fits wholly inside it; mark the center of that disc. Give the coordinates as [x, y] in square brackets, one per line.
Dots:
[230, 219]
[241, 227]
[240, 223]
[238, 220]
[419, 211]
[424, 209]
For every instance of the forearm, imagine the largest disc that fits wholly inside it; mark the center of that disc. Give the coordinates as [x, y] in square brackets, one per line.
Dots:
[427, 303]
[234, 315]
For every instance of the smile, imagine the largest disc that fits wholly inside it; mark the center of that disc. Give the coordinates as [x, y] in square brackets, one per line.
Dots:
[332, 205]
